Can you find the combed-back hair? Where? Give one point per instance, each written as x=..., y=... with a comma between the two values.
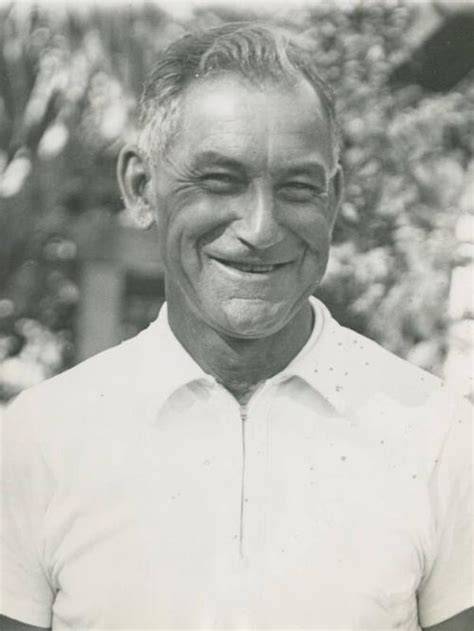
x=257, y=52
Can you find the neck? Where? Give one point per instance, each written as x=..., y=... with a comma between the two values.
x=240, y=364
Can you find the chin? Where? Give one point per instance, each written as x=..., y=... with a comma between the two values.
x=253, y=318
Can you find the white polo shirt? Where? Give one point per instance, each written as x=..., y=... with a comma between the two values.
x=139, y=495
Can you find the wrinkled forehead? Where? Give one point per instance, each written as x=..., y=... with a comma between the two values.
x=279, y=121
x=223, y=83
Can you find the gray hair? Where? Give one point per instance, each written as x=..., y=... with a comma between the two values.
x=257, y=52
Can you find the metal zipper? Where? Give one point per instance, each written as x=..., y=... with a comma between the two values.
x=243, y=418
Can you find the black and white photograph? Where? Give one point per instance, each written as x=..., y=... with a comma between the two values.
x=236, y=315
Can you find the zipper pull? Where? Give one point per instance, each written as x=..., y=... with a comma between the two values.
x=243, y=413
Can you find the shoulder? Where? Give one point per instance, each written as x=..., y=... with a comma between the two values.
x=106, y=371
x=388, y=372
x=369, y=370
x=92, y=393
x=413, y=408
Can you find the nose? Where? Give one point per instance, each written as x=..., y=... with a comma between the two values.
x=257, y=226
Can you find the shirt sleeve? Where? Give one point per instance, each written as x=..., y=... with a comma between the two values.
x=447, y=589
x=26, y=594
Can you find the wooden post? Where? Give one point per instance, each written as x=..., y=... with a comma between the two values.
x=99, y=318
x=108, y=252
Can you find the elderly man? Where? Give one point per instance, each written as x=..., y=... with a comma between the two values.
x=245, y=462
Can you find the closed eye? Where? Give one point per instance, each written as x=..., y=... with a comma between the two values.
x=298, y=190
x=223, y=183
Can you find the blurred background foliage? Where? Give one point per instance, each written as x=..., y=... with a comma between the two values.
x=69, y=83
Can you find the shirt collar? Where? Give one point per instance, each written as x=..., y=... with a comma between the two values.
x=168, y=366
x=320, y=362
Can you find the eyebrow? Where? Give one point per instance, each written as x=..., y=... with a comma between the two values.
x=217, y=159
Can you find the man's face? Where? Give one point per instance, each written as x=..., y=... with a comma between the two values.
x=245, y=205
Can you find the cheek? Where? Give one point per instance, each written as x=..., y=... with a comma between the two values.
x=194, y=223
x=312, y=228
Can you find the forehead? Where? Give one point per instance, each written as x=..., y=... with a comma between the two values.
x=268, y=125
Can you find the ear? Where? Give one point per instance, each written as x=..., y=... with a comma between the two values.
x=134, y=179
x=336, y=190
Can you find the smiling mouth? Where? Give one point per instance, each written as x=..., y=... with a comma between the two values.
x=251, y=268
